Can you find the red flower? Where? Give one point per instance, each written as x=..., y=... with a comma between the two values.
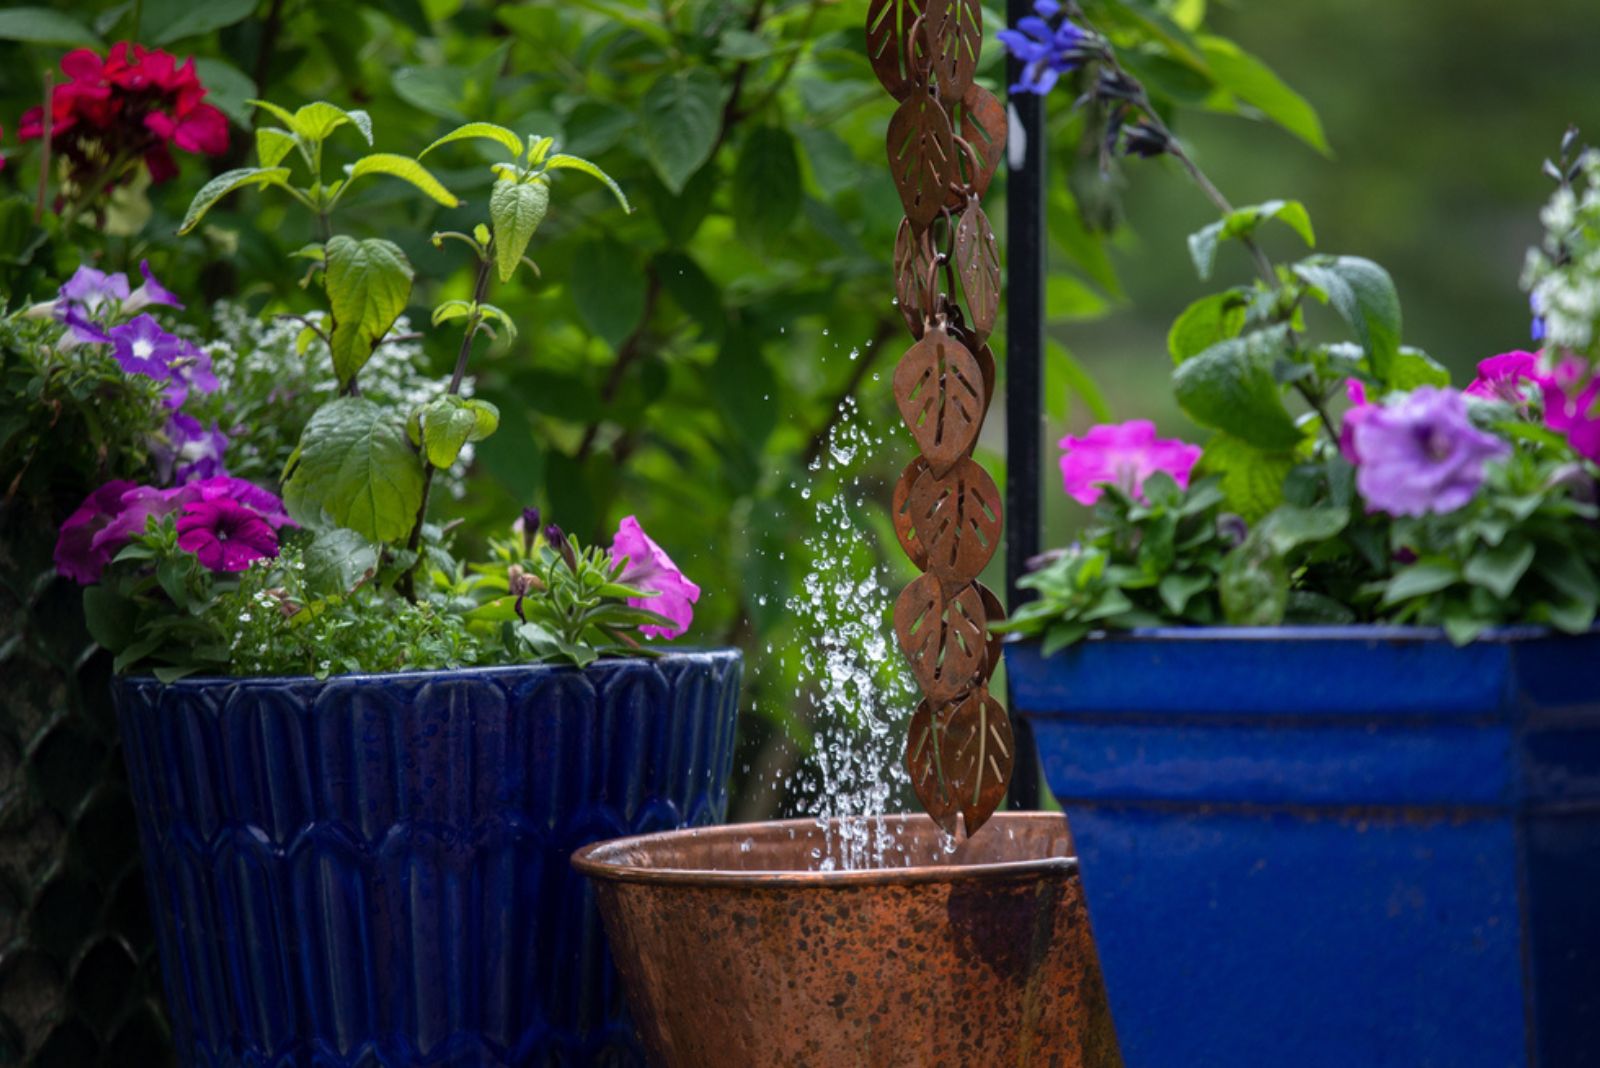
x=135, y=102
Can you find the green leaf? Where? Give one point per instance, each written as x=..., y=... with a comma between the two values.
x=355, y=467
x=1419, y=580
x=228, y=88
x=485, y=419
x=1243, y=222
x=1254, y=83
x=1176, y=589
x=1499, y=569
x=337, y=559
x=1065, y=378
x=692, y=290
x=272, y=144
x=766, y=184
x=609, y=290
x=1231, y=387
x=42, y=25
x=368, y=284
x=225, y=183
x=317, y=120
x=1207, y=321
x=499, y=315
x=446, y=425
x=682, y=114
x=1364, y=296
x=482, y=131
x=1413, y=368
x=404, y=168
x=1253, y=586
x=563, y=162
x=166, y=21
x=435, y=90
x=1290, y=526
x=112, y=619
x=743, y=46
x=516, y=209
x=1252, y=478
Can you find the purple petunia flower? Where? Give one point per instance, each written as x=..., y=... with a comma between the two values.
x=1046, y=51
x=1420, y=453
x=190, y=450
x=85, y=299
x=81, y=554
x=151, y=292
x=225, y=535
x=143, y=348
x=1123, y=455
x=1502, y=377
x=650, y=568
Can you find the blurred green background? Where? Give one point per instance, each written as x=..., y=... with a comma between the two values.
x=687, y=363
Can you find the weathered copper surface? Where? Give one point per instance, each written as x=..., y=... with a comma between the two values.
x=736, y=952
x=947, y=510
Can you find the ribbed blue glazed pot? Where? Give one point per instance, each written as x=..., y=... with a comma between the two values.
x=1334, y=847
x=373, y=870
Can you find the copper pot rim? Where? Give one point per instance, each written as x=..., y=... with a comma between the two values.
x=592, y=861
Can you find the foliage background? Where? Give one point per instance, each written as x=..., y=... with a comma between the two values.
x=685, y=363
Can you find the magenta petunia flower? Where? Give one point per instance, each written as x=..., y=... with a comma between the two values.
x=81, y=554
x=1502, y=377
x=1360, y=408
x=264, y=503
x=650, y=568
x=1122, y=455
x=225, y=535
x=1571, y=399
x=1420, y=453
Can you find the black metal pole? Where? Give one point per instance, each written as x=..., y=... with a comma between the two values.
x=1025, y=275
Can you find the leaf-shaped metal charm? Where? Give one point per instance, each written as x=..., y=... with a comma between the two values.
x=924, y=750
x=978, y=262
x=904, y=529
x=939, y=387
x=955, y=28
x=986, y=365
x=975, y=748
x=921, y=156
x=983, y=126
x=944, y=638
x=898, y=59
x=914, y=257
x=957, y=518
x=993, y=612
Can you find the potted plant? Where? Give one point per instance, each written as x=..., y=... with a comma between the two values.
x=359, y=759
x=1317, y=696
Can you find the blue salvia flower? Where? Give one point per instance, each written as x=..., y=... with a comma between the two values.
x=1047, y=51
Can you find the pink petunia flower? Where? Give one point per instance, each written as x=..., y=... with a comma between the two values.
x=1122, y=455
x=1502, y=377
x=1571, y=398
x=1360, y=408
x=225, y=535
x=650, y=568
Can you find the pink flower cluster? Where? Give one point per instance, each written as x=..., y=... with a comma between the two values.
x=1122, y=455
x=227, y=523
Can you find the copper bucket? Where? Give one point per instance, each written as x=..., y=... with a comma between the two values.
x=736, y=953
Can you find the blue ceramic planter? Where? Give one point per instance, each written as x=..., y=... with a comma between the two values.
x=1334, y=847
x=374, y=870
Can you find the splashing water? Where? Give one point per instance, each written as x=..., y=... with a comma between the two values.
x=851, y=669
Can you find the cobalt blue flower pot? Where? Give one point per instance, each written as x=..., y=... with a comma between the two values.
x=373, y=870
x=1334, y=847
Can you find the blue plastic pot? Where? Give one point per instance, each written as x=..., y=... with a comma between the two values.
x=1334, y=847
x=373, y=870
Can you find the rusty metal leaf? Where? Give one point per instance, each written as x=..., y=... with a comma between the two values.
x=921, y=156
x=924, y=745
x=903, y=527
x=957, y=517
x=983, y=126
x=944, y=637
x=976, y=749
x=914, y=256
x=993, y=612
x=986, y=365
x=898, y=59
x=955, y=28
x=978, y=262
x=938, y=385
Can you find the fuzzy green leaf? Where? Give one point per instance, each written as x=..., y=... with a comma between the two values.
x=1255, y=84
x=406, y=169
x=516, y=209
x=1252, y=478
x=482, y=131
x=1243, y=222
x=562, y=162
x=766, y=184
x=681, y=115
x=317, y=121
x=272, y=144
x=1206, y=322
x=1364, y=296
x=355, y=467
x=1231, y=387
x=368, y=284
x=225, y=183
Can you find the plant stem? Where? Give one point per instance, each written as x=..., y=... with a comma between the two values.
x=408, y=581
